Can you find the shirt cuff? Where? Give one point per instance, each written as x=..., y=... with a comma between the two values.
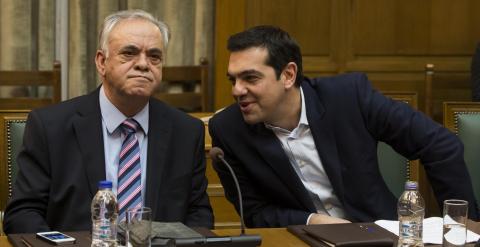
x=308, y=219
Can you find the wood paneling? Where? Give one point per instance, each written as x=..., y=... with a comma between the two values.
x=309, y=23
x=229, y=19
x=410, y=27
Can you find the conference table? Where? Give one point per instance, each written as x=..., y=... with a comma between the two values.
x=271, y=237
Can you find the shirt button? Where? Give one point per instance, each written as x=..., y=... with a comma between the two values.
x=328, y=206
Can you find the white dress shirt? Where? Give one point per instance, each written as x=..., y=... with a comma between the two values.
x=113, y=137
x=300, y=148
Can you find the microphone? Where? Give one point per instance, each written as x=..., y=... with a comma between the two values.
x=217, y=155
x=219, y=241
x=243, y=240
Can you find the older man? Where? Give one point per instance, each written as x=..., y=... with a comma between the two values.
x=69, y=147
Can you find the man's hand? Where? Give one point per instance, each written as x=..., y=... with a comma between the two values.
x=325, y=219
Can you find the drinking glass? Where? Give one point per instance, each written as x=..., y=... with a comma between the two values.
x=455, y=213
x=139, y=227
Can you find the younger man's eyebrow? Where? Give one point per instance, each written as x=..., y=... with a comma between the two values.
x=249, y=72
x=245, y=72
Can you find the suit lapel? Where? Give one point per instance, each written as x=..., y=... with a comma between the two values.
x=88, y=131
x=323, y=135
x=159, y=136
x=272, y=152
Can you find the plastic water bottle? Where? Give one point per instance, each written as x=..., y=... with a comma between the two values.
x=411, y=210
x=104, y=216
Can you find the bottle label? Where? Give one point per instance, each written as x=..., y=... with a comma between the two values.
x=104, y=231
x=410, y=229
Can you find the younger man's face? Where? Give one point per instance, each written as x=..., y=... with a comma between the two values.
x=255, y=86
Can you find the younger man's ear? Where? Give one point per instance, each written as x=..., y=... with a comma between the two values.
x=290, y=74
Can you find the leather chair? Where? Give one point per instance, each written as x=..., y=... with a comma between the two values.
x=441, y=86
x=463, y=118
x=395, y=168
x=12, y=125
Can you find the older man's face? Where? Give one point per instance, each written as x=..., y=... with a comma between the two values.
x=133, y=67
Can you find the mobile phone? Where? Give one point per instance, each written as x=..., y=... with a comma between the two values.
x=55, y=237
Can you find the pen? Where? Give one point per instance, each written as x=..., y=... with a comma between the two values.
x=25, y=242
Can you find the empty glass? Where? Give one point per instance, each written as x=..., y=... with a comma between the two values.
x=455, y=214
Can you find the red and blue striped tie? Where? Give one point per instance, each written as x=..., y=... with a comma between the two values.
x=129, y=192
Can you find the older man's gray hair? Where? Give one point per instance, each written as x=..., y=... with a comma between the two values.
x=112, y=20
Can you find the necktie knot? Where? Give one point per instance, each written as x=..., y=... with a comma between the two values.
x=129, y=126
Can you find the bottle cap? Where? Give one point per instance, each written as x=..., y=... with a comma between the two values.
x=105, y=184
x=411, y=185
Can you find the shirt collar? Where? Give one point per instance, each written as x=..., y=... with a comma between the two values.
x=112, y=117
x=303, y=117
x=303, y=113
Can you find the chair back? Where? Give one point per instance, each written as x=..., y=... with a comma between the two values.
x=463, y=118
x=30, y=81
x=442, y=86
x=193, y=83
x=395, y=168
x=12, y=125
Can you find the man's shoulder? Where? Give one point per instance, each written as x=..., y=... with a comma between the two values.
x=229, y=122
x=337, y=87
x=68, y=107
x=230, y=114
x=341, y=80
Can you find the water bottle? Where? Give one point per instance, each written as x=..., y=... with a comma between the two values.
x=104, y=216
x=411, y=210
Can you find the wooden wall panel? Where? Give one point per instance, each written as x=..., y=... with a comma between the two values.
x=410, y=27
x=373, y=41
x=229, y=19
x=473, y=22
x=450, y=27
x=308, y=21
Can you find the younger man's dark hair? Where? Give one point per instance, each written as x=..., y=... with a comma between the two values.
x=281, y=48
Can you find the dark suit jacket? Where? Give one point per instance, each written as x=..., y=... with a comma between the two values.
x=63, y=159
x=347, y=118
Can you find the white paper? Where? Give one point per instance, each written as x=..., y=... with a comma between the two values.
x=432, y=230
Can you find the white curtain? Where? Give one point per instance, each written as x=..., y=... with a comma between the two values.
x=27, y=35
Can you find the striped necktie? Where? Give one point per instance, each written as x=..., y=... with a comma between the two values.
x=129, y=192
